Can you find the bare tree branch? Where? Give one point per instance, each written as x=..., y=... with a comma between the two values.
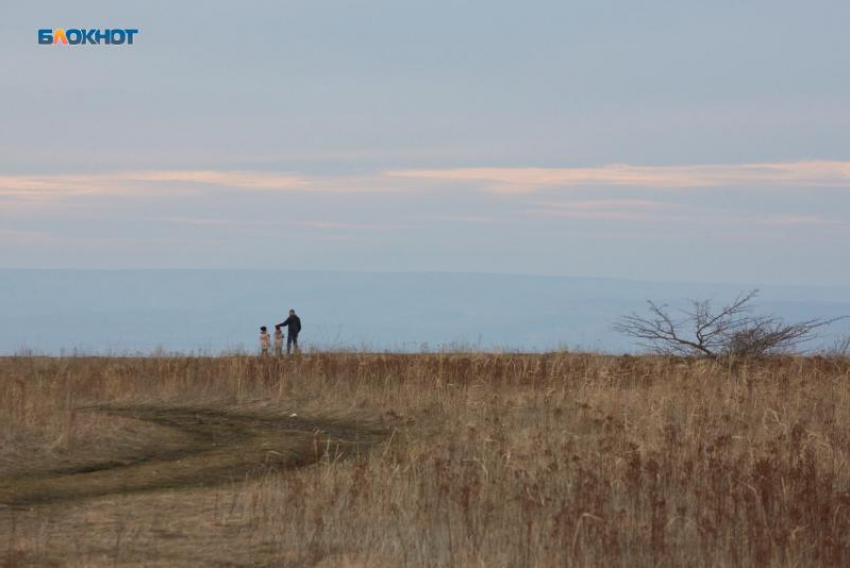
x=730, y=330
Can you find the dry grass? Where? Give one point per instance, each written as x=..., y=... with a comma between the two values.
x=489, y=460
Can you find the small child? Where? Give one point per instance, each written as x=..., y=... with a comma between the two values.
x=264, y=341
x=278, y=341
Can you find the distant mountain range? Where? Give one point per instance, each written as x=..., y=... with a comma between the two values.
x=210, y=311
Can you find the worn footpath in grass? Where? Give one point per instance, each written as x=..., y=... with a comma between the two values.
x=216, y=446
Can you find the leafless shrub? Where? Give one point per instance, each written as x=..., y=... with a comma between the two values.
x=840, y=347
x=705, y=331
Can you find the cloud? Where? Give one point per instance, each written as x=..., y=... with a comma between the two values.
x=658, y=211
x=526, y=180
x=334, y=238
x=605, y=210
x=198, y=221
x=597, y=204
x=796, y=220
x=122, y=183
x=334, y=226
x=41, y=188
x=236, y=179
x=594, y=215
x=16, y=235
x=466, y=219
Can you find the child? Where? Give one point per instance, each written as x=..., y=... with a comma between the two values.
x=264, y=341
x=278, y=341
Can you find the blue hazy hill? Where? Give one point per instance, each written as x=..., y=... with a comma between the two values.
x=127, y=311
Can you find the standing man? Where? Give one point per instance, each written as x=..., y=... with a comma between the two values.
x=293, y=323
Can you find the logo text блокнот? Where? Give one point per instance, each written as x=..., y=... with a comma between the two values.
x=82, y=36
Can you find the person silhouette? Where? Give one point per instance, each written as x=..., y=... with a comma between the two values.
x=278, y=342
x=264, y=341
x=293, y=325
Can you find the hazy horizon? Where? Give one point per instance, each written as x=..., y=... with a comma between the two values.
x=122, y=312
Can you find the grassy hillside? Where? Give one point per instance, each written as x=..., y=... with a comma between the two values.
x=352, y=459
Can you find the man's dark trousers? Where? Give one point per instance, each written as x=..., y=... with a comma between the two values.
x=291, y=341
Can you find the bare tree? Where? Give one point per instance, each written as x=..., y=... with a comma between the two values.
x=704, y=331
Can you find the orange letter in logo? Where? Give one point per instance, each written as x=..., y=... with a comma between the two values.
x=59, y=34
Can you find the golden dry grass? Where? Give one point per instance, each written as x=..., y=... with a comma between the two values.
x=485, y=460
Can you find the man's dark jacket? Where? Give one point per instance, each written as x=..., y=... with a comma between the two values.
x=293, y=324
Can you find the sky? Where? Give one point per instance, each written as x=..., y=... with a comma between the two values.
x=655, y=140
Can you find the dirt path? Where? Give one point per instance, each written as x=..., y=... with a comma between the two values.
x=220, y=447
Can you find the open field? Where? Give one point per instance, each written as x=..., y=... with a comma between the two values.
x=465, y=459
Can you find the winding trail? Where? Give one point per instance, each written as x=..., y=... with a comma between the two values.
x=220, y=447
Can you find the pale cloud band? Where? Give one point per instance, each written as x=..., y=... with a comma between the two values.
x=45, y=187
x=236, y=179
x=801, y=174
x=523, y=180
x=186, y=182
